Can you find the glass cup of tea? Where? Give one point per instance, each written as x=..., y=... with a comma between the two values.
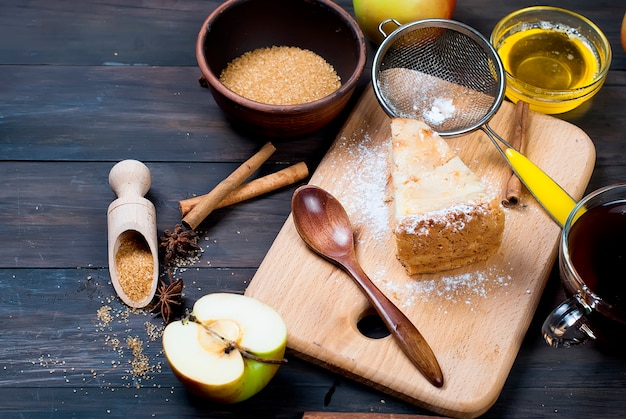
x=592, y=264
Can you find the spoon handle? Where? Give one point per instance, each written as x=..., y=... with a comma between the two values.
x=404, y=331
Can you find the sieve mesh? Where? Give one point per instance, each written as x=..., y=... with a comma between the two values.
x=441, y=72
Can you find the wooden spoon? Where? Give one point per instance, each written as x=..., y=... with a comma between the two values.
x=323, y=224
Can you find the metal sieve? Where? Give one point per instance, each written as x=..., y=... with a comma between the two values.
x=448, y=75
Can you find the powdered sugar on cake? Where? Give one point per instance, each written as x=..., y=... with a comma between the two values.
x=455, y=217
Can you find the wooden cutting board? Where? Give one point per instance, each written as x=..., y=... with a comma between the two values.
x=474, y=318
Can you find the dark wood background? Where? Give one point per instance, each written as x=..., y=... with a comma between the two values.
x=84, y=84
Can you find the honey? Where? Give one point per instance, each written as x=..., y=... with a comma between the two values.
x=555, y=59
x=550, y=58
x=554, y=69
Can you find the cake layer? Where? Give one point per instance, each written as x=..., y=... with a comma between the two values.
x=445, y=217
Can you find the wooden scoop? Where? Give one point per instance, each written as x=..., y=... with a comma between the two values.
x=132, y=218
x=323, y=224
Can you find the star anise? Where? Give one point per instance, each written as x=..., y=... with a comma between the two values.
x=169, y=297
x=178, y=243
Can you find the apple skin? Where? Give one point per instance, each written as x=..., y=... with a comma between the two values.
x=369, y=13
x=248, y=376
x=623, y=33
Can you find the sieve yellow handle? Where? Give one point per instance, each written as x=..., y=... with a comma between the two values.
x=554, y=199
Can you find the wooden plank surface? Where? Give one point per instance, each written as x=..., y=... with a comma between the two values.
x=88, y=83
x=474, y=317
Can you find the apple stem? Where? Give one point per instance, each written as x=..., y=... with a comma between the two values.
x=249, y=355
x=231, y=345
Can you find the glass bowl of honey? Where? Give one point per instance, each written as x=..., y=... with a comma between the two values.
x=554, y=59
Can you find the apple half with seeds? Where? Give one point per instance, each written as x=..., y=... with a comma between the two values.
x=228, y=348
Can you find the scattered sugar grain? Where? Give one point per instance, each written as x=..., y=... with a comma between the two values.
x=110, y=316
x=104, y=315
x=154, y=331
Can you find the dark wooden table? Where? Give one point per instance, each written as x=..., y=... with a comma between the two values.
x=85, y=84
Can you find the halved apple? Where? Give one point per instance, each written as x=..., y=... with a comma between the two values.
x=229, y=347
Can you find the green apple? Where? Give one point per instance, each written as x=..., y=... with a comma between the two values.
x=370, y=13
x=228, y=348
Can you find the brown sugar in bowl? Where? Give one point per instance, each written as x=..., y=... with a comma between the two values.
x=321, y=26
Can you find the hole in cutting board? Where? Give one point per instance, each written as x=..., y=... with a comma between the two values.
x=371, y=325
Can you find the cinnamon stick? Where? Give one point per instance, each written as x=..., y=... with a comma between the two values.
x=210, y=201
x=254, y=188
x=513, y=188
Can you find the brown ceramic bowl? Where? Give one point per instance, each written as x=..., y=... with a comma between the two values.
x=239, y=26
